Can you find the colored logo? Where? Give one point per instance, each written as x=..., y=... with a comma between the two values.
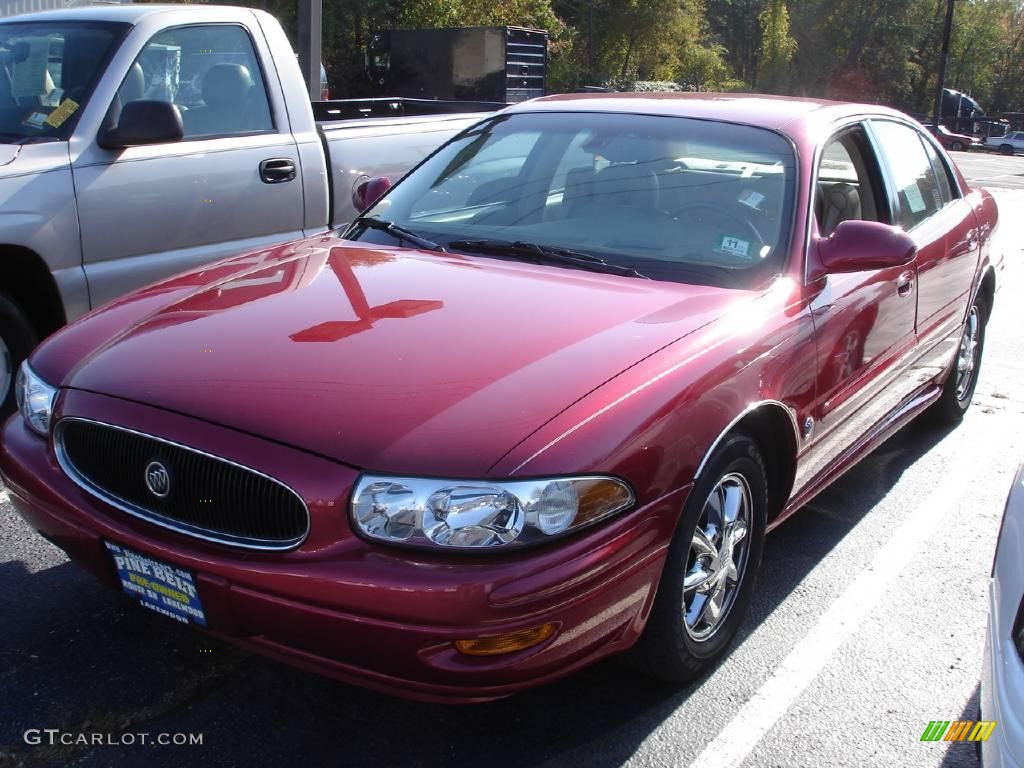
x=158, y=479
x=958, y=730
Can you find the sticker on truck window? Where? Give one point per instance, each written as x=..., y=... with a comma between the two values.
x=60, y=115
x=35, y=120
x=733, y=246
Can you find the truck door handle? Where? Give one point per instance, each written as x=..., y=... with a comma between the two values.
x=277, y=170
x=905, y=283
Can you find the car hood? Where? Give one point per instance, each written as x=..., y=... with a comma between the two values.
x=7, y=153
x=392, y=359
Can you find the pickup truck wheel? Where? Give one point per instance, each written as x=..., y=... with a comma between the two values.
x=957, y=146
x=16, y=340
x=711, y=567
x=958, y=389
x=1005, y=149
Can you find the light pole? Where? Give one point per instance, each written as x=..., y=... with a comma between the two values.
x=943, y=60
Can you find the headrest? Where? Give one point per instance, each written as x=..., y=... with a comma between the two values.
x=627, y=184
x=226, y=85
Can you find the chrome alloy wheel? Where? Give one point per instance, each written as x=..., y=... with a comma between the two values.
x=967, y=357
x=6, y=370
x=718, y=557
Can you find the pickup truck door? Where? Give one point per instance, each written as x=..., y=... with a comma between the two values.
x=931, y=207
x=230, y=186
x=863, y=321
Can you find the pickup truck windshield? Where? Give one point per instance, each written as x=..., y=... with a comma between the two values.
x=668, y=198
x=47, y=72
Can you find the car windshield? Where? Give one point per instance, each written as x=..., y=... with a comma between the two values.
x=669, y=198
x=47, y=72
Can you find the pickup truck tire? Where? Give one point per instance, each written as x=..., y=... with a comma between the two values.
x=711, y=567
x=17, y=338
x=1005, y=149
x=958, y=389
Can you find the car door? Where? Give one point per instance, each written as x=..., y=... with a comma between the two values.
x=930, y=206
x=864, y=320
x=150, y=211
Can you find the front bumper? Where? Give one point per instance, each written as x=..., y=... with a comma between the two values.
x=1002, y=693
x=340, y=606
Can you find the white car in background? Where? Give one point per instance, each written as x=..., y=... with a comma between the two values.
x=1002, y=681
x=1006, y=145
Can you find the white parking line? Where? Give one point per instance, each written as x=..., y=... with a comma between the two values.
x=810, y=655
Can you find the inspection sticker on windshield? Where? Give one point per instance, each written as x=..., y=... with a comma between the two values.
x=158, y=586
x=58, y=117
x=733, y=246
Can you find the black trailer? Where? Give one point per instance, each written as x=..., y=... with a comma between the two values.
x=492, y=64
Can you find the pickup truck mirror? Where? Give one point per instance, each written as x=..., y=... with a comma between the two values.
x=369, y=191
x=144, y=122
x=858, y=245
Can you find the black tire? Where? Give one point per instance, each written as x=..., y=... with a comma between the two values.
x=957, y=146
x=1005, y=149
x=668, y=650
x=17, y=338
x=956, y=393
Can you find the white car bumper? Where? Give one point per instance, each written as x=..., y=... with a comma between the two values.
x=1002, y=680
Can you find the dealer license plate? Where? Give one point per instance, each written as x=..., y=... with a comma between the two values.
x=163, y=588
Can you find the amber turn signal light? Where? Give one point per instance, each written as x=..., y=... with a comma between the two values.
x=510, y=643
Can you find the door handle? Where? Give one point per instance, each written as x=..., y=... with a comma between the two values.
x=277, y=170
x=905, y=283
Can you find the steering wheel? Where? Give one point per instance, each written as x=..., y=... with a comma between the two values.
x=721, y=223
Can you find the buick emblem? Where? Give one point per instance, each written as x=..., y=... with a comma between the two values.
x=158, y=479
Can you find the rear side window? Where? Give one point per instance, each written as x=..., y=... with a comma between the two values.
x=210, y=72
x=919, y=192
x=942, y=174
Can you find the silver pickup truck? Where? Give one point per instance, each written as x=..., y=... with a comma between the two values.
x=139, y=141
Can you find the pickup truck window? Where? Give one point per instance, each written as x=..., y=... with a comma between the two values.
x=211, y=73
x=672, y=198
x=47, y=73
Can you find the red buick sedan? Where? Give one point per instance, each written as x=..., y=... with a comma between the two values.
x=539, y=405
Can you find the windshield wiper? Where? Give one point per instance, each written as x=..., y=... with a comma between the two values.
x=546, y=253
x=401, y=233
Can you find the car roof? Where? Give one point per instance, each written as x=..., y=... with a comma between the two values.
x=772, y=112
x=122, y=13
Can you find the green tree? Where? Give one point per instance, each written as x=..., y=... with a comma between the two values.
x=777, y=46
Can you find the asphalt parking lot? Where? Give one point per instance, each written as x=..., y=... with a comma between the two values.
x=868, y=622
x=989, y=169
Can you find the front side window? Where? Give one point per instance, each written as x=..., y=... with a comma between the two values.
x=671, y=198
x=47, y=74
x=848, y=186
x=210, y=72
x=919, y=192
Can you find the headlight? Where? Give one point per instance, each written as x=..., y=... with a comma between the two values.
x=460, y=514
x=35, y=399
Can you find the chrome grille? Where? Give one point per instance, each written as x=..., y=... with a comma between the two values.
x=208, y=497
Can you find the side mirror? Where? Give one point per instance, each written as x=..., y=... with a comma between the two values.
x=858, y=245
x=144, y=122
x=369, y=191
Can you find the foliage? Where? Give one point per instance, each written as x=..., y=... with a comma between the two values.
x=883, y=51
x=777, y=46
